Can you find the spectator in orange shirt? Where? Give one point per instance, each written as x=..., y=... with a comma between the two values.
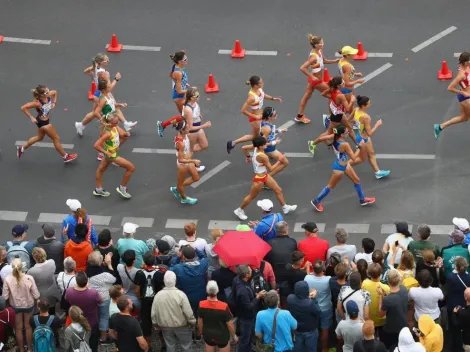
x=313, y=247
x=79, y=250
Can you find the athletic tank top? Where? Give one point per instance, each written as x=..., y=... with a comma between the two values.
x=465, y=83
x=340, y=156
x=319, y=61
x=342, y=63
x=110, y=105
x=357, y=124
x=45, y=108
x=96, y=73
x=113, y=143
x=272, y=134
x=196, y=113
x=259, y=100
x=336, y=109
x=186, y=144
x=184, y=79
x=257, y=168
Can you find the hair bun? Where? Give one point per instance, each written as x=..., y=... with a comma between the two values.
x=247, y=83
x=358, y=97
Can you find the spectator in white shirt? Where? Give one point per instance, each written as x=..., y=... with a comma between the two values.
x=368, y=246
x=345, y=250
x=354, y=293
x=403, y=236
x=6, y=268
x=66, y=278
x=349, y=331
x=190, y=232
x=425, y=297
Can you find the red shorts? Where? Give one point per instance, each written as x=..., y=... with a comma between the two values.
x=314, y=83
x=250, y=120
x=261, y=179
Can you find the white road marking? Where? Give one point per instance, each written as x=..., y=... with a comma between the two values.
x=354, y=228
x=7, y=215
x=178, y=223
x=388, y=229
x=287, y=124
x=406, y=156
x=433, y=39
x=57, y=218
x=298, y=228
x=44, y=145
x=372, y=55
x=375, y=73
x=250, y=52
x=139, y=48
x=26, y=41
x=223, y=224
x=154, y=151
x=100, y=220
x=211, y=173
x=298, y=155
x=441, y=229
x=457, y=54
x=142, y=222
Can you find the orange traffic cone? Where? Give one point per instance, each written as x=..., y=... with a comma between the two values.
x=114, y=47
x=91, y=93
x=1, y=38
x=444, y=74
x=211, y=86
x=238, y=52
x=362, y=54
x=326, y=76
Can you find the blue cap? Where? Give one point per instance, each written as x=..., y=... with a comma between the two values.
x=352, y=308
x=19, y=230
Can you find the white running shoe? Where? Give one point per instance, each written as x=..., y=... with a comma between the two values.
x=240, y=213
x=128, y=125
x=123, y=193
x=201, y=168
x=286, y=209
x=80, y=128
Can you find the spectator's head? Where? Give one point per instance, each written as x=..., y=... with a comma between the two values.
x=128, y=257
x=216, y=234
x=48, y=231
x=341, y=236
x=43, y=305
x=407, y=261
x=19, y=232
x=39, y=255
x=340, y=271
x=394, y=278
x=188, y=253
x=424, y=232
x=355, y=281
x=190, y=229
x=129, y=229
x=457, y=236
x=466, y=295
x=3, y=254
x=407, y=343
x=244, y=272
x=104, y=238
x=76, y=315
x=378, y=257
x=368, y=245
x=95, y=258
x=3, y=304
x=374, y=271
x=115, y=292
x=266, y=205
x=362, y=268
x=403, y=228
x=82, y=279
x=424, y=278
x=297, y=258
x=76, y=209
x=149, y=259
x=461, y=224
x=169, y=279
x=352, y=309
x=428, y=256
x=426, y=324
x=69, y=265
x=162, y=247
x=170, y=240
x=81, y=231
x=368, y=329
x=311, y=229
x=318, y=267
x=271, y=299
x=282, y=229
x=461, y=265
x=124, y=304
x=212, y=289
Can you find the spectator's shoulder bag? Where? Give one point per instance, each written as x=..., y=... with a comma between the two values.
x=275, y=217
x=344, y=300
x=268, y=347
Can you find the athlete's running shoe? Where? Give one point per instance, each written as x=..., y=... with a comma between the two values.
x=19, y=151
x=201, y=168
x=175, y=192
x=101, y=193
x=437, y=130
x=317, y=205
x=286, y=209
x=189, y=200
x=311, y=147
x=129, y=125
x=230, y=146
x=123, y=192
x=160, y=128
x=302, y=119
x=367, y=200
x=240, y=213
x=70, y=157
x=100, y=156
x=80, y=128
x=381, y=174
x=326, y=121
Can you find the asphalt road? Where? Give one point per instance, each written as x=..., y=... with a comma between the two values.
x=407, y=96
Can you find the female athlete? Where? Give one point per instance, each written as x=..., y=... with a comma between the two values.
x=348, y=72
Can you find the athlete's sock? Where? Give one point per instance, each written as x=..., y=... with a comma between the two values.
x=65, y=156
x=358, y=188
x=299, y=116
x=440, y=128
x=171, y=121
x=324, y=192
x=122, y=188
x=99, y=189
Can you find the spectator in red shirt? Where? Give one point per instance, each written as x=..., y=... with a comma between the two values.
x=313, y=247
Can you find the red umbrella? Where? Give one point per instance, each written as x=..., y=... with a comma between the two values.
x=240, y=247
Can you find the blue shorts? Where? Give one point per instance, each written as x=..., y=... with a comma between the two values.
x=462, y=97
x=195, y=124
x=326, y=319
x=103, y=310
x=338, y=167
x=270, y=149
x=346, y=90
x=97, y=93
x=177, y=96
x=359, y=138
x=23, y=310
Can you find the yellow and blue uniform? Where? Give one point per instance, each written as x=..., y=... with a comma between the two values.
x=342, y=63
x=359, y=127
x=271, y=136
x=184, y=83
x=113, y=143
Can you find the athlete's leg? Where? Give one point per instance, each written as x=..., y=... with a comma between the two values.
x=128, y=166
x=37, y=138
x=52, y=134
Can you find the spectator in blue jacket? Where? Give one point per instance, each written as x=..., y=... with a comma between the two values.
x=191, y=275
x=78, y=216
x=266, y=227
x=305, y=309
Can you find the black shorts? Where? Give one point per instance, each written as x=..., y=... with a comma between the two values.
x=219, y=344
x=336, y=118
x=146, y=317
x=41, y=123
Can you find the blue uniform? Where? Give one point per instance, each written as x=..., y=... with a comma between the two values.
x=184, y=82
x=340, y=157
x=271, y=136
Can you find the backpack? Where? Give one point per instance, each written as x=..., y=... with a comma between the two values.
x=258, y=283
x=82, y=345
x=1, y=281
x=43, y=336
x=16, y=250
x=149, y=290
x=232, y=299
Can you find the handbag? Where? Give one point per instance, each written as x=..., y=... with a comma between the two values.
x=268, y=347
x=64, y=304
x=9, y=340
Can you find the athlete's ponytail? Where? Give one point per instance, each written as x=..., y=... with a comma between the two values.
x=314, y=40
x=253, y=81
x=335, y=82
x=98, y=59
x=339, y=131
x=180, y=126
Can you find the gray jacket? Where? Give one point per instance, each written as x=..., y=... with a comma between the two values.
x=72, y=342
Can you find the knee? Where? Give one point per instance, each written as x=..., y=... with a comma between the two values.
x=55, y=139
x=284, y=161
x=277, y=190
x=196, y=178
x=371, y=155
x=131, y=168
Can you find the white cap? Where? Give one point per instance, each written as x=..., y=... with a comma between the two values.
x=265, y=204
x=461, y=223
x=129, y=227
x=73, y=204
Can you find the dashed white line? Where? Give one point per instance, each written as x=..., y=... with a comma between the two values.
x=287, y=124
x=57, y=218
x=139, y=48
x=375, y=73
x=441, y=229
x=433, y=39
x=178, y=223
x=44, y=145
x=250, y=52
x=354, y=228
x=388, y=229
x=223, y=224
x=7, y=215
x=153, y=151
x=298, y=228
x=372, y=55
x=406, y=156
x=26, y=41
x=211, y=173
x=142, y=222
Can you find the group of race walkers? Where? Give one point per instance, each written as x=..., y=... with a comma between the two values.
x=347, y=116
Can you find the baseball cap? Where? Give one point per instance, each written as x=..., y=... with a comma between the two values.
x=265, y=204
x=48, y=230
x=19, y=230
x=348, y=50
x=310, y=227
x=352, y=308
x=461, y=223
x=457, y=236
x=73, y=204
x=129, y=227
x=163, y=246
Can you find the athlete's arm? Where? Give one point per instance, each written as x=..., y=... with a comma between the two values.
x=347, y=82
x=181, y=157
x=343, y=101
x=99, y=107
x=89, y=71
x=451, y=88
x=370, y=131
x=178, y=77
x=250, y=100
x=53, y=95
x=100, y=142
x=31, y=105
x=116, y=79
x=327, y=137
x=351, y=116
x=123, y=135
x=263, y=159
x=326, y=94
x=346, y=148
x=270, y=97
x=312, y=61
x=333, y=61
